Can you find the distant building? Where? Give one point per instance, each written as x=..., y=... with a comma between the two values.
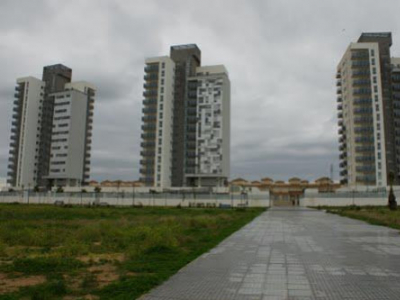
x=285, y=193
x=186, y=121
x=51, y=130
x=368, y=86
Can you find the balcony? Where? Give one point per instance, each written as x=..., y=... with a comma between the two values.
x=369, y=179
x=191, y=154
x=149, y=118
x=343, y=155
x=17, y=95
x=148, y=144
x=361, y=82
x=147, y=153
x=338, y=75
x=11, y=173
x=340, y=115
x=360, y=64
x=150, y=101
x=151, y=77
x=191, y=119
x=370, y=159
x=362, y=101
x=364, y=110
x=148, y=110
x=364, y=73
x=12, y=152
x=148, y=136
x=366, y=169
x=151, y=68
x=343, y=173
x=365, y=139
x=339, y=99
x=191, y=112
x=13, y=145
x=338, y=83
x=150, y=93
x=343, y=164
x=364, y=129
x=363, y=120
x=339, y=91
x=360, y=55
x=147, y=180
x=149, y=127
x=192, y=95
x=146, y=171
x=147, y=162
x=340, y=107
x=365, y=149
x=151, y=85
x=362, y=91
x=192, y=103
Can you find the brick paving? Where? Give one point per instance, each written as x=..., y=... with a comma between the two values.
x=294, y=253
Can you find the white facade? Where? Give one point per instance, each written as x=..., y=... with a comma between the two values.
x=158, y=115
x=29, y=120
x=213, y=126
x=355, y=125
x=70, y=138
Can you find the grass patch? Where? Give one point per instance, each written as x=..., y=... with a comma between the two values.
x=376, y=215
x=112, y=253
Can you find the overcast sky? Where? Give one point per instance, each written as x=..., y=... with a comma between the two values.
x=281, y=56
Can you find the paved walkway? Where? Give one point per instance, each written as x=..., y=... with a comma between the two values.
x=294, y=253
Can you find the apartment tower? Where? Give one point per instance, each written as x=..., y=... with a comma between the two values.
x=366, y=98
x=177, y=144
x=52, y=124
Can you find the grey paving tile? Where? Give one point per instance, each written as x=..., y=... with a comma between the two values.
x=294, y=254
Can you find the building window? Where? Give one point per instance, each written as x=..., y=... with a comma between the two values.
x=372, y=52
x=163, y=65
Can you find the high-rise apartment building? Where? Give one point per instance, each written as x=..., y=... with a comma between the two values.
x=51, y=130
x=158, y=104
x=366, y=95
x=186, y=121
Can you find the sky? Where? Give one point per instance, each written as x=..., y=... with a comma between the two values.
x=281, y=56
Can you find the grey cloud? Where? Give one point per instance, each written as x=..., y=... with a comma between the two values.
x=281, y=56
